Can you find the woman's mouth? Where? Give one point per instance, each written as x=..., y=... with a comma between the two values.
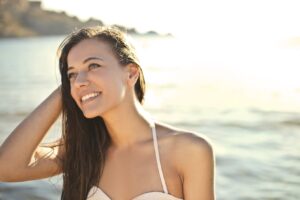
x=89, y=97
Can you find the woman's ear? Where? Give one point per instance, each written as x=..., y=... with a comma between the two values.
x=133, y=74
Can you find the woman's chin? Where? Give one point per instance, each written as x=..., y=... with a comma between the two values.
x=90, y=115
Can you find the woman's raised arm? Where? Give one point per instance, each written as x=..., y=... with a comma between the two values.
x=21, y=157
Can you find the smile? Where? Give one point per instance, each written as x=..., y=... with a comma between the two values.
x=89, y=97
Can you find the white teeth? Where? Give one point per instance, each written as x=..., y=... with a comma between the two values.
x=88, y=96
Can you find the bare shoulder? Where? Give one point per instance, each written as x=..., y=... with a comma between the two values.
x=191, y=155
x=186, y=141
x=192, y=149
x=188, y=147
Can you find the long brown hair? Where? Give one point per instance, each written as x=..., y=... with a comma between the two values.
x=87, y=140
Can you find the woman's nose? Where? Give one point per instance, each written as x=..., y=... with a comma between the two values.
x=81, y=79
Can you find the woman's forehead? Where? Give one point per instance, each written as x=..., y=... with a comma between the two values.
x=89, y=48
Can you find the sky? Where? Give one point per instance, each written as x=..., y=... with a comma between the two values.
x=230, y=18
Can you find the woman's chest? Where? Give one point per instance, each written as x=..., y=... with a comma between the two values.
x=131, y=173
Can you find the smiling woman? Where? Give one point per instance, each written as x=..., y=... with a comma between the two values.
x=110, y=146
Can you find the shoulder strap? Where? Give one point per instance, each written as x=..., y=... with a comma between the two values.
x=163, y=182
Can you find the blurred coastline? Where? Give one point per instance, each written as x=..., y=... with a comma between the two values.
x=23, y=18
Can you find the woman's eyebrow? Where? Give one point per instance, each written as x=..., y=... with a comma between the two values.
x=86, y=60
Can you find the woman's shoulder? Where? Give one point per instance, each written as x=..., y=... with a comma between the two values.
x=184, y=140
x=187, y=147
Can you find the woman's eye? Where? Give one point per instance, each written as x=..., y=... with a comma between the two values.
x=94, y=65
x=71, y=76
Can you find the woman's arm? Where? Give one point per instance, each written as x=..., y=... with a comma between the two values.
x=21, y=158
x=196, y=167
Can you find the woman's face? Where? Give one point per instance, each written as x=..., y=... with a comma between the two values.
x=97, y=79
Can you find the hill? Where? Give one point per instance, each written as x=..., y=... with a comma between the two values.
x=22, y=18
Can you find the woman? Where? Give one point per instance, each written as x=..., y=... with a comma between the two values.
x=110, y=148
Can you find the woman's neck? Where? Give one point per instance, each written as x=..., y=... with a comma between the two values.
x=128, y=126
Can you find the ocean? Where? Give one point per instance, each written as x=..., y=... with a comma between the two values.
x=249, y=108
